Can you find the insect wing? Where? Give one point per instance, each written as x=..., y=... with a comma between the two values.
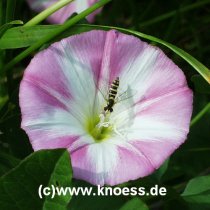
x=103, y=88
x=128, y=94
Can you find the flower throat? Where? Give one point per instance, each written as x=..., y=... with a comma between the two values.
x=100, y=128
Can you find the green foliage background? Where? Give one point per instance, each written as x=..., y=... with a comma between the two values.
x=185, y=24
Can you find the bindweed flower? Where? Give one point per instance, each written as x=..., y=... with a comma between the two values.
x=67, y=88
x=64, y=13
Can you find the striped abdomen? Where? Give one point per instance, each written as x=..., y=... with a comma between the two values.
x=112, y=95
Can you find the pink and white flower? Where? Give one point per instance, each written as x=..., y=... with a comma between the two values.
x=62, y=104
x=64, y=13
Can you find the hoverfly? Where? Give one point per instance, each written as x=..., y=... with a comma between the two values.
x=114, y=95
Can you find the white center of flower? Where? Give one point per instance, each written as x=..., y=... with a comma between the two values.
x=103, y=121
x=108, y=123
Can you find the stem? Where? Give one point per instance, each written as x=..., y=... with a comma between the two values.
x=1, y=12
x=50, y=10
x=58, y=31
x=10, y=11
x=174, y=12
x=200, y=114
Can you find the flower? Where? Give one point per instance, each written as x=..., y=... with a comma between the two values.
x=64, y=13
x=62, y=105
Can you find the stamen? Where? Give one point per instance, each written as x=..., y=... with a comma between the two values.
x=102, y=122
x=107, y=124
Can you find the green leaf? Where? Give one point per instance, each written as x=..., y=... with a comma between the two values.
x=135, y=204
x=19, y=188
x=198, y=190
x=6, y=26
x=7, y=162
x=22, y=36
x=200, y=84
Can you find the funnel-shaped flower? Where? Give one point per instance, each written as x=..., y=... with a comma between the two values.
x=63, y=106
x=64, y=13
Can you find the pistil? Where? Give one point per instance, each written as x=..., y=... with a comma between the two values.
x=100, y=128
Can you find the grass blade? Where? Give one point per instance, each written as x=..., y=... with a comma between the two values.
x=43, y=15
x=58, y=31
x=197, y=65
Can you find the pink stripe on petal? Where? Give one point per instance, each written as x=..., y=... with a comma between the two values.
x=131, y=166
x=124, y=52
x=88, y=50
x=95, y=162
x=166, y=78
x=162, y=125
x=105, y=71
x=89, y=169
x=156, y=151
x=174, y=108
x=45, y=69
x=81, y=165
x=59, y=142
x=119, y=51
x=33, y=99
x=110, y=52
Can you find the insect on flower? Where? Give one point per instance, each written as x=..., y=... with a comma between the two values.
x=112, y=95
x=111, y=139
x=112, y=99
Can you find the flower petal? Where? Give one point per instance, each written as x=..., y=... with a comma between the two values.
x=92, y=163
x=106, y=163
x=60, y=93
x=56, y=98
x=163, y=122
x=64, y=13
